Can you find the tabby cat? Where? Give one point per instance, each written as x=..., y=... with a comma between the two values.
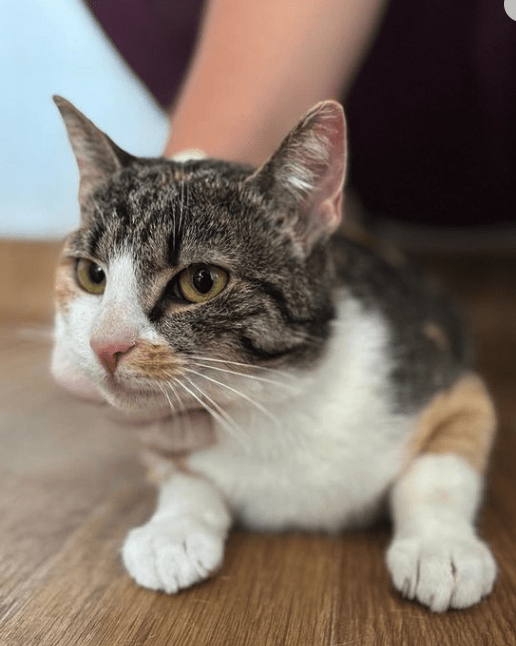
x=298, y=379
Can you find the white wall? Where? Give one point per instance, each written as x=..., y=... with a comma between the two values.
x=55, y=47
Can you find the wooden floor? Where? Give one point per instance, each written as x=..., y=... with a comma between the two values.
x=71, y=487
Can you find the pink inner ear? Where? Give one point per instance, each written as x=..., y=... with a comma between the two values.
x=311, y=165
x=330, y=212
x=324, y=204
x=308, y=171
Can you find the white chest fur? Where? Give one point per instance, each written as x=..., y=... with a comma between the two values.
x=334, y=448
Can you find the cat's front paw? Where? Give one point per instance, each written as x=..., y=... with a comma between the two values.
x=442, y=572
x=172, y=554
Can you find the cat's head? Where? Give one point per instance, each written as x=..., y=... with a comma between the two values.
x=182, y=273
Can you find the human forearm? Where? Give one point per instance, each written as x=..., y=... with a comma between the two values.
x=260, y=65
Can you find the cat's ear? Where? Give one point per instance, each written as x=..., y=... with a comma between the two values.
x=97, y=156
x=307, y=172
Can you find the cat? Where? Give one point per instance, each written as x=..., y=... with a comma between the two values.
x=303, y=380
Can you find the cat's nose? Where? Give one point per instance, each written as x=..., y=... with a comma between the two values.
x=110, y=351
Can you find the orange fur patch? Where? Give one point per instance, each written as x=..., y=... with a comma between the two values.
x=435, y=333
x=460, y=420
x=153, y=361
x=65, y=287
x=159, y=468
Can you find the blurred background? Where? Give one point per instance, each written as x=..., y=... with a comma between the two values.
x=431, y=111
x=55, y=47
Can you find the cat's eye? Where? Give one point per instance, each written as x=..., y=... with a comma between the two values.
x=199, y=283
x=90, y=276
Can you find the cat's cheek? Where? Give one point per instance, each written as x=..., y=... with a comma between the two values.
x=71, y=379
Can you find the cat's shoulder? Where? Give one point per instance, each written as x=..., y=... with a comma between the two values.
x=428, y=342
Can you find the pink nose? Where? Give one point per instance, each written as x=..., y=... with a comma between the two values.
x=109, y=352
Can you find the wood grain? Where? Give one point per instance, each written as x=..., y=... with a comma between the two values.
x=71, y=487
x=27, y=269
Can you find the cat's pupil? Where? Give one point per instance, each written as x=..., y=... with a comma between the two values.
x=95, y=273
x=202, y=280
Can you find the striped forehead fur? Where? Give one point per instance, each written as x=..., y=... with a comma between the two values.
x=277, y=306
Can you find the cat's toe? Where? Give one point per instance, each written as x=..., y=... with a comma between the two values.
x=172, y=554
x=442, y=572
x=403, y=564
x=475, y=574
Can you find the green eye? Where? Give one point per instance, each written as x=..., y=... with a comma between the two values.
x=90, y=276
x=199, y=283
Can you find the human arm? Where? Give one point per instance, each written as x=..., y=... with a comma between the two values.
x=260, y=65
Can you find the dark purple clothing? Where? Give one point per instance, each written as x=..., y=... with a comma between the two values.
x=156, y=38
x=432, y=114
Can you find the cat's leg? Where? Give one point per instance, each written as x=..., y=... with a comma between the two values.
x=436, y=556
x=183, y=542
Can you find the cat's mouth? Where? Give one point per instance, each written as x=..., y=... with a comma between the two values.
x=158, y=399
x=144, y=406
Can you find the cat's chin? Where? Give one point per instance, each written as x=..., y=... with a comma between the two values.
x=137, y=401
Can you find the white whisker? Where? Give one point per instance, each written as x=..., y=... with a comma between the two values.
x=265, y=380
x=174, y=222
x=275, y=371
x=183, y=415
x=257, y=405
x=181, y=206
x=220, y=415
x=163, y=390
